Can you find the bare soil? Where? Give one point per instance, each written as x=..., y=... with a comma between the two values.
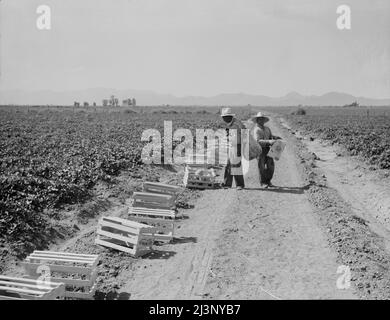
x=285, y=242
x=352, y=202
x=282, y=243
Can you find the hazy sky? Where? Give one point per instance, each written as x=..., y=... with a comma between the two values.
x=198, y=47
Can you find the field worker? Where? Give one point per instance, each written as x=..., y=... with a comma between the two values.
x=233, y=167
x=264, y=137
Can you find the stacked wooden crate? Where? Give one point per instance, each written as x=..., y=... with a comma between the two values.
x=154, y=200
x=198, y=177
x=125, y=235
x=205, y=171
x=77, y=271
x=156, y=207
x=161, y=188
x=12, y=288
x=202, y=176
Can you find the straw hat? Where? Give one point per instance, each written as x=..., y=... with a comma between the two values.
x=226, y=112
x=260, y=115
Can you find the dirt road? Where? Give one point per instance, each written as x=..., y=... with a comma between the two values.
x=249, y=244
x=327, y=211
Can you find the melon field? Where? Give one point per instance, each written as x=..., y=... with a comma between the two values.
x=53, y=157
x=362, y=131
x=63, y=168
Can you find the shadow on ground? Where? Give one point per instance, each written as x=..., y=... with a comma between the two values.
x=112, y=295
x=158, y=254
x=292, y=190
x=185, y=240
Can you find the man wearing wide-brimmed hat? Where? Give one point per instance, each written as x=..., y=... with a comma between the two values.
x=264, y=137
x=234, y=165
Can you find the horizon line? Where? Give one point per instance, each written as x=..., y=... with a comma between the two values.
x=196, y=96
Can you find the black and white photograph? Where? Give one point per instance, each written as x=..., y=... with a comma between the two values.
x=206, y=152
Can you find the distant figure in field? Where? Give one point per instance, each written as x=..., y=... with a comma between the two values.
x=264, y=137
x=234, y=166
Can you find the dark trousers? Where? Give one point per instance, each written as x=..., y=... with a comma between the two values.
x=228, y=178
x=266, y=168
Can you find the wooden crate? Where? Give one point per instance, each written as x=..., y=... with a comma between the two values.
x=161, y=188
x=193, y=180
x=29, y=289
x=162, y=220
x=201, y=185
x=168, y=214
x=77, y=271
x=193, y=169
x=125, y=235
x=153, y=200
x=191, y=173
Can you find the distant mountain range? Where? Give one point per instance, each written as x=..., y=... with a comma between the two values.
x=151, y=98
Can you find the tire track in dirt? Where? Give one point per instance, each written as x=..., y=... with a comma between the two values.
x=368, y=196
x=273, y=247
x=351, y=203
x=180, y=270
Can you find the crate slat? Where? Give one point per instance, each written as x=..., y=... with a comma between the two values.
x=29, y=289
x=12, y=288
x=70, y=254
x=132, y=240
x=161, y=188
x=63, y=265
x=153, y=196
x=138, y=237
x=152, y=213
x=153, y=200
x=133, y=226
x=61, y=258
x=48, y=258
x=58, y=268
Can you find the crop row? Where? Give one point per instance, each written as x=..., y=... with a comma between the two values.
x=360, y=134
x=49, y=159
